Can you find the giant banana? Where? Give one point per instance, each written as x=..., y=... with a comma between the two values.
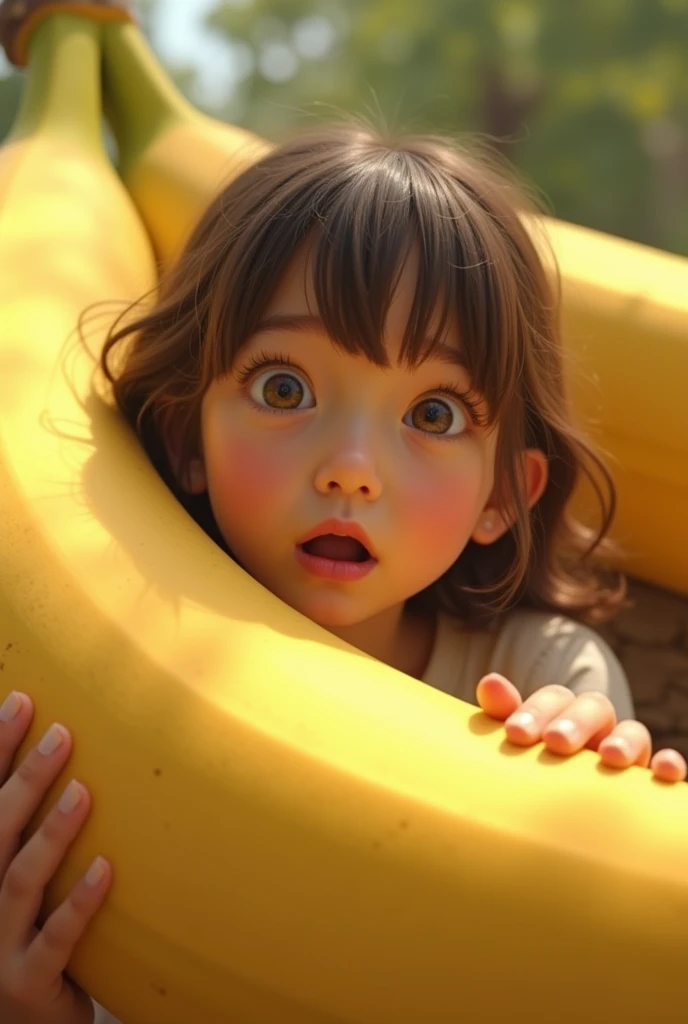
x=625, y=306
x=300, y=835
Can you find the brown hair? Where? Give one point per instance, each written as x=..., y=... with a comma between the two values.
x=365, y=202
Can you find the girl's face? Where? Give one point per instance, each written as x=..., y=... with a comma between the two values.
x=301, y=433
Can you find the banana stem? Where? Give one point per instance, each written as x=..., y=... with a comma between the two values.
x=140, y=100
x=61, y=94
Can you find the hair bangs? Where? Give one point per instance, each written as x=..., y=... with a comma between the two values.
x=375, y=210
x=363, y=244
x=405, y=209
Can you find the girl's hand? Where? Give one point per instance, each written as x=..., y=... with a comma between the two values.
x=33, y=988
x=566, y=723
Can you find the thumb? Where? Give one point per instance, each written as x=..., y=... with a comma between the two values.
x=497, y=696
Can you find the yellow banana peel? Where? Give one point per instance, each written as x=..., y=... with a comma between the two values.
x=299, y=834
x=625, y=330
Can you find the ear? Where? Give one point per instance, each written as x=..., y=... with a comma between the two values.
x=492, y=523
x=191, y=478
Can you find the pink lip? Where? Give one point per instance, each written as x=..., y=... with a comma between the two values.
x=341, y=528
x=328, y=568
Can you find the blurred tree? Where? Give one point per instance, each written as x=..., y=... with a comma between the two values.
x=589, y=99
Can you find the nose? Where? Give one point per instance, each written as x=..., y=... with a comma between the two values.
x=349, y=470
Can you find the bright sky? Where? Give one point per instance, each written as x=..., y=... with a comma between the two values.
x=181, y=39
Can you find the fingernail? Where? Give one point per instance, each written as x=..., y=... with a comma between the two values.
x=522, y=720
x=11, y=707
x=565, y=728
x=95, y=874
x=52, y=740
x=620, y=747
x=71, y=798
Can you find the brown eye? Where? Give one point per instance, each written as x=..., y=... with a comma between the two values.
x=438, y=416
x=280, y=391
x=283, y=391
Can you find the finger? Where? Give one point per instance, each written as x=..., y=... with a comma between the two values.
x=21, y=892
x=587, y=720
x=526, y=726
x=669, y=766
x=15, y=718
x=52, y=948
x=627, y=744
x=24, y=791
x=497, y=696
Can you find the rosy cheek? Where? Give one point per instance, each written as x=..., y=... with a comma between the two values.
x=439, y=514
x=246, y=472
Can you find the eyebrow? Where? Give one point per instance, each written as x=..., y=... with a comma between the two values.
x=303, y=323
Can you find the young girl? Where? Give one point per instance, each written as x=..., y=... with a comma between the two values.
x=353, y=380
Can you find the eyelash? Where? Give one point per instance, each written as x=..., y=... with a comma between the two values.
x=260, y=361
x=263, y=360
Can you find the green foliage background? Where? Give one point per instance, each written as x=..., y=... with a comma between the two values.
x=589, y=98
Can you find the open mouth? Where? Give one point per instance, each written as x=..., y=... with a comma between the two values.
x=330, y=551
x=336, y=548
